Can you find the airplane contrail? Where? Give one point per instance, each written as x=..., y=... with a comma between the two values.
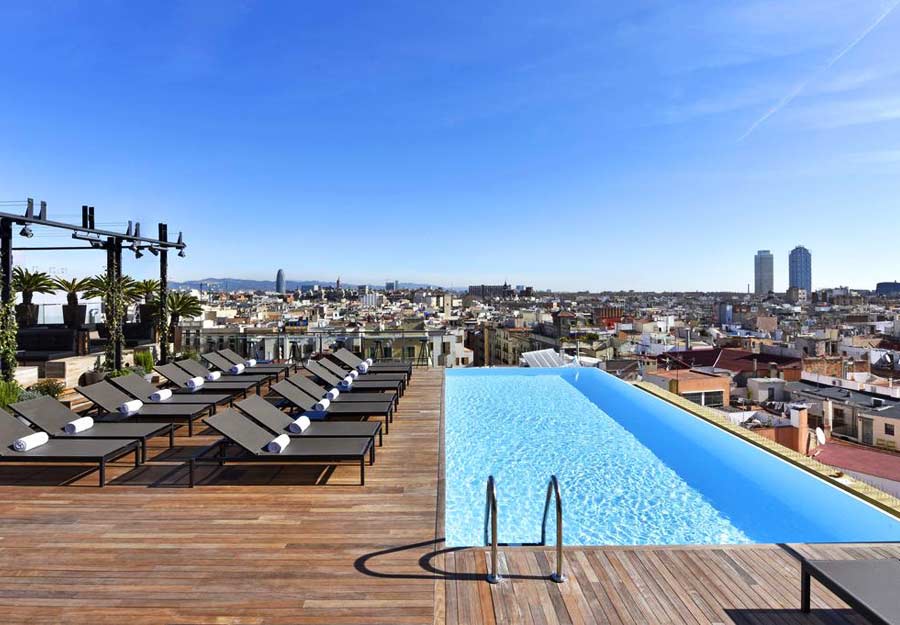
x=802, y=85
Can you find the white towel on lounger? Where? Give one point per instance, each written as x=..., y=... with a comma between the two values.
x=212, y=376
x=131, y=407
x=369, y=361
x=278, y=444
x=236, y=369
x=195, y=383
x=251, y=362
x=354, y=374
x=363, y=367
x=322, y=405
x=333, y=394
x=31, y=441
x=299, y=425
x=79, y=425
x=346, y=383
x=161, y=395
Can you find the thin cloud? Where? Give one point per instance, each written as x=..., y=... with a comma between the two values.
x=787, y=99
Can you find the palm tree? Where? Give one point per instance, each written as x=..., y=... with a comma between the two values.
x=28, y=283
x=72, y=287
x=99, y=285
x=180, y=305
x=147, y=290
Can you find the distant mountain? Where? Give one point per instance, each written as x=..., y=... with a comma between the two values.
x=242, y=284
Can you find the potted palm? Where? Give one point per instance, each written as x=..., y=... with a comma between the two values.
x=181, y=305
x=28, y=283
x=73, y=312
x=98, y=286
x=148, y=292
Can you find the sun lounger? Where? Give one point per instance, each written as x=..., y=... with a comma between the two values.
x=349, y=359
x=195, y=369
x=343, y=371
x=138, y=387
x=867, y=586
x=236, y=358
x=302, y=402
x=331, y=379
x=318, y=392
x=224, y=365
x=59, y=450
x=49, y=415
x=252, y=440
x=107, y=398
x=179, y=377
x=273, y=419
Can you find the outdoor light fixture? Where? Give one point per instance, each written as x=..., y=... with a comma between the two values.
x=43, y=214
x=26, y=232
x=154, y=250
x=181, y=254
x=137, y=252
x=128, y=232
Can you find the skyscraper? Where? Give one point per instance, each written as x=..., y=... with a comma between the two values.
x=764, y=272
x=279, y=281
x=800, y=269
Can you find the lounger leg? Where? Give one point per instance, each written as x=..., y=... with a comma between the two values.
x=372, y=451
x=380, y=438
x=362, y=471
x=190, y=426
x=804, y=589
x=387, y=426
x=171, y=436
x=191, y=465
x=102, y=472
x=140, y=453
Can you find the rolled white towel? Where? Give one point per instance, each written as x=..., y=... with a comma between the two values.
x=278, y=444
x=212, y=376
x=369, y=361
x=299, y=425
x=354, y=374
x=161, y=395
x=346, y=383
x=31, y=441
x=333, y=394
x=236, y=369
x=322, y=405
x=251, y=362
x=362, y=367
x=79, y=425
x=195, y=383
x=131, y=407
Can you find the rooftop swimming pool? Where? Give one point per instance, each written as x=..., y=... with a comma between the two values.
x=633, y=469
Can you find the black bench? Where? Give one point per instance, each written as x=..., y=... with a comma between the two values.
x=871, y=587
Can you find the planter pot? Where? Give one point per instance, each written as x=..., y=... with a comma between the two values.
x=73, y=316
x=26, y=314
x=92, y=377
x=147, y=313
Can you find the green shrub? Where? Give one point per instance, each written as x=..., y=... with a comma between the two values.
x=118, y=373
x=144, y=359
x=137, y=370
x=29, y=394
x=9, y=393
x=48, y=386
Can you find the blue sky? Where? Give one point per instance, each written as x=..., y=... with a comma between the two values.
x=644, y=145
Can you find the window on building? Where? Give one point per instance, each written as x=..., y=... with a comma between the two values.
x=697, y=398
x=410, y=351
x=889, y=429
x=714, y=398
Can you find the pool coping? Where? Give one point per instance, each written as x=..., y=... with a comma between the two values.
x=878, y=498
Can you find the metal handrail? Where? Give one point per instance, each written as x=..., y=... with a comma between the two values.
x=553, y=489
x=490, y=513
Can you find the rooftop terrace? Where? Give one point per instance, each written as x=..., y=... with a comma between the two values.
x=290, y=545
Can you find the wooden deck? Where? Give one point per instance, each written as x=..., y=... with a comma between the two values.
x=251, y=545
x=270, y=545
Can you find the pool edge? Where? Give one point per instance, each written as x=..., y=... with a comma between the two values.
x=861, y=490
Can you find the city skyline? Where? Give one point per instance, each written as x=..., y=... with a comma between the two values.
x=525, y=144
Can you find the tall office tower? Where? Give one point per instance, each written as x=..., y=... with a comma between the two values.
x=764, y=272
x=800, y=269
x=279, y=281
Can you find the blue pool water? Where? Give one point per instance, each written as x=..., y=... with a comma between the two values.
x=633, y=469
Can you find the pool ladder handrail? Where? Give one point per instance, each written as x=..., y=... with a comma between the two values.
x=490, y=514
x=553, y=490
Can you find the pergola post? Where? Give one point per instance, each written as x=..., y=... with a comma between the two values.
x=6, y=265
x=164, y=295
x=121, y=321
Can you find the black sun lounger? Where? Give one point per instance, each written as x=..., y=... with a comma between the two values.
x=224, y=365
x=341, y=371
x=273, y=419
x=138, y=387
x=51, y=416
x=59, y=450
x=237, y=359
x=252, y=440
x=327, y=377
x=179, y=377
x=867, y=586
x=304, y=403
x=108, y=398
x=318, y=392
x=195, y=369
x=349, y=359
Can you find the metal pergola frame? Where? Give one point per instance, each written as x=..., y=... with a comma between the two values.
x=98, y=239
